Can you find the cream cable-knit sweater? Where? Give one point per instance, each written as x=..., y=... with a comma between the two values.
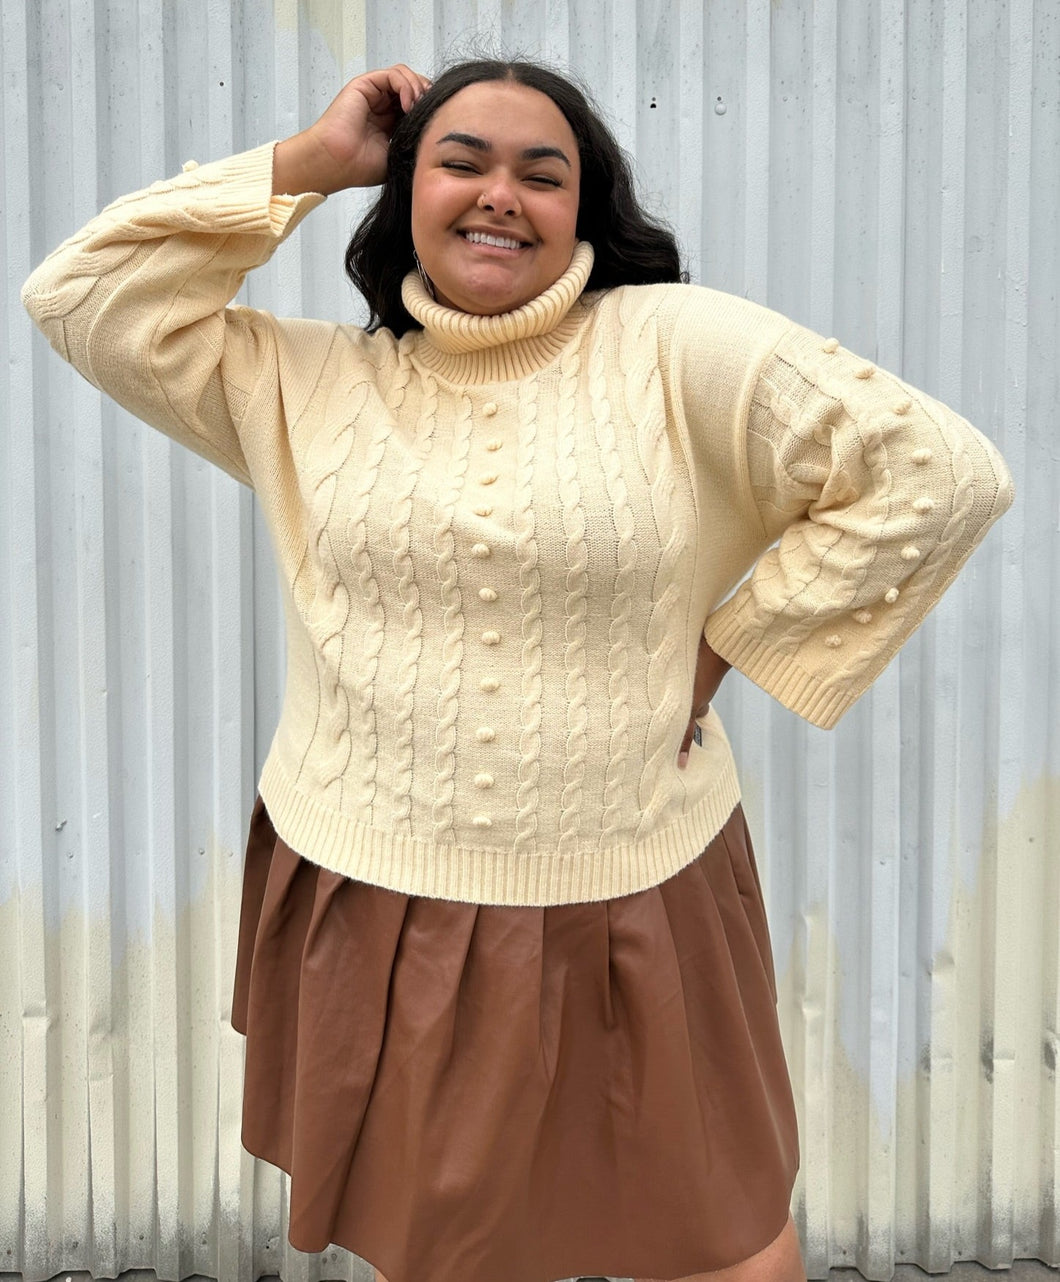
x=500, y=538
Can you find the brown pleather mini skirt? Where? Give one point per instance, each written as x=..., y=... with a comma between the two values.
x=485, y=1093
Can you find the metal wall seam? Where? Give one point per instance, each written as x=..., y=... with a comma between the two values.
x=624, y=80
x=88, y=1016
x=557, y=28
x=1004, y=1182
x=159, y=1049
x=823, y=165
x=940, y=639
x=887, y=940
x=30, y=1130
x=756, y=174
x=1043, y=691
x=23, y=999
x=1050, y=1141
x=812, y=141
x=690, y=108
x=159, y=1046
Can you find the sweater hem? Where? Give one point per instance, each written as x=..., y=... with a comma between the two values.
x=466, y=874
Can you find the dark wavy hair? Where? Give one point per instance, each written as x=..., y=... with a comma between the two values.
x=630, y=247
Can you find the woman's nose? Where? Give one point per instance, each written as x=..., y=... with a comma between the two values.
x=499, y=198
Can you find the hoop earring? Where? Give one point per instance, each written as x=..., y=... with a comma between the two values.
x=428, y=284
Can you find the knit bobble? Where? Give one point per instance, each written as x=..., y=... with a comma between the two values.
x=489, y=684
x=487, y=478
x=491, y=638
x=863, y=616
x=921, y=456
x=489, y=409
x=483, y=780
x=485, y=734
x=482, y=821
x=865, y=371
x=910, y=553
x=923, y=505
x=484, y=510
x=480, y=550
x=904, y=406
x=833, y=642
x=494, y=445
x=830, y=345
x=891, y=596
x=487, y=594
x=189, y=165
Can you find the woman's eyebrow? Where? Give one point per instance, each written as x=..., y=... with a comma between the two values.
x=540, y=153
x=481, y=144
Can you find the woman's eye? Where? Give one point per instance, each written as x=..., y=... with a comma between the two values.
x=547, y=179
x=461, y=165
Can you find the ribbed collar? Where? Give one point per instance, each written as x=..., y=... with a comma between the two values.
x=487, y=349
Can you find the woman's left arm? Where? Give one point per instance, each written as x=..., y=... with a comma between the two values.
x=877, y=494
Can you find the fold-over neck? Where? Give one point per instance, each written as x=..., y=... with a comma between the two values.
x=484, y=349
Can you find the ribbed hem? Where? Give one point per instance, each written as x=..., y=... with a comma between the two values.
x=779, y=675
x=484, y=876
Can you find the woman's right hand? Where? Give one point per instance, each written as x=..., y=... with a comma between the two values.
x=347, y=146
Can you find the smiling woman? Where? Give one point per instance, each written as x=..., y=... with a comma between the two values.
x=503, y=968
x=573, y=152
x=495, y=197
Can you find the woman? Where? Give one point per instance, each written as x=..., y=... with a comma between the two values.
x=504, y=969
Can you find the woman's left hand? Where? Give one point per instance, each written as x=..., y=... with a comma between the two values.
x=710, y=669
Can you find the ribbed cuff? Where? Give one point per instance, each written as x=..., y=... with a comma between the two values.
x=238, y=194
x=778, y=674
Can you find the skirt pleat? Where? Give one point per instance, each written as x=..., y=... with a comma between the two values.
x=470, y=1093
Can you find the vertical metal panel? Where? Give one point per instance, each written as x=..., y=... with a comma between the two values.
x=23, y=1004
x=889, y=172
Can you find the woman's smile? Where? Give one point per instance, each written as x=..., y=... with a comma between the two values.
x=495, y=197
x=493, y=240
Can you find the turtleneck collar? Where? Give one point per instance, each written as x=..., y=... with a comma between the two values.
x=485, y=349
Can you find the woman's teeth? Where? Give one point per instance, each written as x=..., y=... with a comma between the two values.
x=483, y=238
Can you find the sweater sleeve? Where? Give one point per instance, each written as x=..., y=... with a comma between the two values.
x=875, y=495
x=136, y=300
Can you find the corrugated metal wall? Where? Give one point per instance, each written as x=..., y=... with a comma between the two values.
x=888, y=171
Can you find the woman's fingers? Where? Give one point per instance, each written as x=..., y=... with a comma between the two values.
x=390, y=86
x=410, y=85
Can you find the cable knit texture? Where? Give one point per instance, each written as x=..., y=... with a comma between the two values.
x=500, y=538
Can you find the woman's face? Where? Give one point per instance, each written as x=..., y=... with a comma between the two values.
x=495, y=197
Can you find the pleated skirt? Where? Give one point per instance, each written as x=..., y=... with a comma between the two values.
x=484, y=1093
